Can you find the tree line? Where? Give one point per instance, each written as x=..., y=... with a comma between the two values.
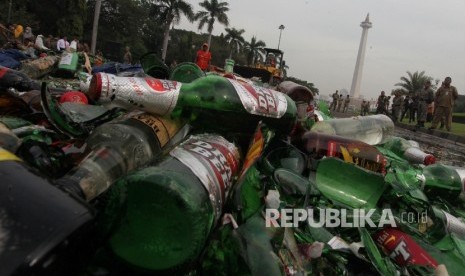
x=143, y=25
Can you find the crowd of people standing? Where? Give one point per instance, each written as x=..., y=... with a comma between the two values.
x=339, y=103
x=422, y=106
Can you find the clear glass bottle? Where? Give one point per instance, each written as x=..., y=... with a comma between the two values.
x=120, y=146
x=373, y=130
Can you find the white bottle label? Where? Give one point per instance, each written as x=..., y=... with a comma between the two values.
x=149, y=94
x=261, y=101
x=214, y=160
x=66, y=59
x=338, y=243
x=454, y=225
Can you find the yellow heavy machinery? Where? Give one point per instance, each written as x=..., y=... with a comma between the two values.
x=270, y=71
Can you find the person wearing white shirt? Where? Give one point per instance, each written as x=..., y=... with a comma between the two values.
x=73, y=45
x=39, y=43
x=61, y=44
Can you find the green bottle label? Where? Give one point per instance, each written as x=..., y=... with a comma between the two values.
x=261, y=101
x=215, y=161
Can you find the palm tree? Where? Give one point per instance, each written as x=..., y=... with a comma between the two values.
x=235, y=40
x=255, y=50
x=213, y=10
x=93, y=42
x=169, y=12
x=413, y=82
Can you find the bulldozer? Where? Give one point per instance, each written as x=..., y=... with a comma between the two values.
x=270, y=71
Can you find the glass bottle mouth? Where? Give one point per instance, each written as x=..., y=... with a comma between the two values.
x=429, y=159
x=95, y=87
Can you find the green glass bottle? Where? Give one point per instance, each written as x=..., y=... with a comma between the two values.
x=444, y=181
x=186, y=72
x=408, y=151
x=442, y=223
x=212, y=103
x=172, y=207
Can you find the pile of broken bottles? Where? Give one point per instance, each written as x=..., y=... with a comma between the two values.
x=329, y=196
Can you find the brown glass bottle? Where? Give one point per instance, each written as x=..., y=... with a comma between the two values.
x=319, y=145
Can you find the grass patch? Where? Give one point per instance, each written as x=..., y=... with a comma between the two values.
x=456, y=128
x=458, y=114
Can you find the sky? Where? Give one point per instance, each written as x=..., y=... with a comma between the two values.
x=321, y=39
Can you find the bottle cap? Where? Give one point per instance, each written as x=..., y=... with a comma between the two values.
x=429, y=159
x=74, y=97
x=95, y=87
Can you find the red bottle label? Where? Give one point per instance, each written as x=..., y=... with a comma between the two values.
x=161, y=86
x=261, y=101
x=403, y=249
x=214, y=160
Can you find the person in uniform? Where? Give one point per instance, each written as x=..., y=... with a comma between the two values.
x=346, y=104
x=425, y=97
x=335, y=97
x=363, y=111
x=340, y=100
x=430, y=112
x=405, y=107
x=445, y=98
x=397, y=103
x=381, y=104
